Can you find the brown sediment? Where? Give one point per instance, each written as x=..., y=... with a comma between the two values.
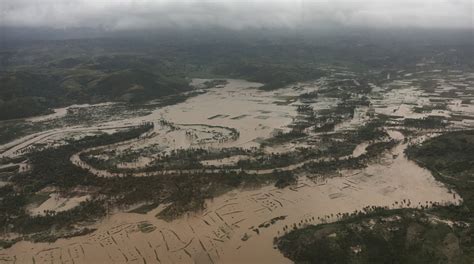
x=187, y=253
x=202, y=245
x=210, y=216
x=278, y=202
x=258, y=210
x=113, y=239
x=164, y=239
x=233, y=212
x=218, y=215
x=176, y=235
x=219, y=240
x=140, y=254
x=192, y=229
x=225, y=205
x=210, y=258
x=238, y=221
x=156, y=256
x=362, y=187
x=124, y=256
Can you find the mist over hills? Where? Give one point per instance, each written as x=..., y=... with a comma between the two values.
x=58, y=69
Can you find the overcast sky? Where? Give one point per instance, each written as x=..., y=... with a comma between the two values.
x=135, y=14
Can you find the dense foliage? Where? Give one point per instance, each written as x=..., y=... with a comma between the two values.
x=34, y=91
x=400, y=236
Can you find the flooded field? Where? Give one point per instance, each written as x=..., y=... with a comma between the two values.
x=239, y=226
x=237, y=128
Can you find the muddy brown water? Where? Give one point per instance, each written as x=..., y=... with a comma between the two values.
x=226, y=231
x=217, y=234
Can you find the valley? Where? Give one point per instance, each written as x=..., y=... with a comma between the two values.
x=222, y=175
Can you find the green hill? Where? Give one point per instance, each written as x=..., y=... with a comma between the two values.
x=24, y=94
x=136, y=85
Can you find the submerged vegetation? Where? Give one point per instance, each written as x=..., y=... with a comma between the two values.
x=52, y=167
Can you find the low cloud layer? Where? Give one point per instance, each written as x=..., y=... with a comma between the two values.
x=145, y=14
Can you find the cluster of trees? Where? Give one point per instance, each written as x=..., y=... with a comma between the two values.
x=331, y=166
x=376, y=148
x=214, y=83
x=273, y=75
x=371, y=131
x=325, y=120
x=430, y=122
x=309, y=95
x=25, y=94
x=368, y=237
x=285, y=178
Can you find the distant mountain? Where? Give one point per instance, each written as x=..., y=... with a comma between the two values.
x=74, y=80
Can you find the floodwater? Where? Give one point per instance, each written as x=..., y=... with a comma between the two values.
x=239, y=226
x=238, y=105
x=226, y=231
x=58, y=203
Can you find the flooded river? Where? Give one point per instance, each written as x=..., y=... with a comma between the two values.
x=238, y=226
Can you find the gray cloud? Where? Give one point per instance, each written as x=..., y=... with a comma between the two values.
x=135, y=14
